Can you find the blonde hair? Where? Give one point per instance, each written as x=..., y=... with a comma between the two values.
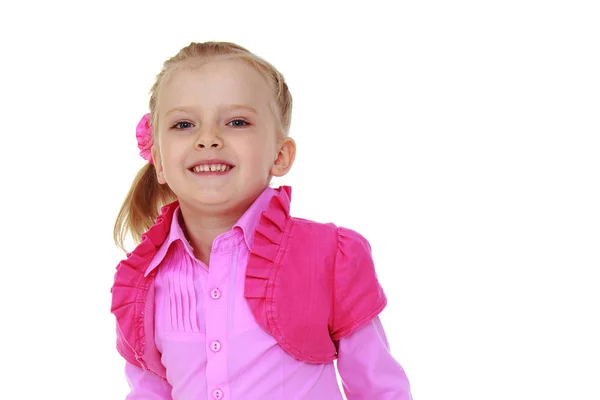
x=146, y=196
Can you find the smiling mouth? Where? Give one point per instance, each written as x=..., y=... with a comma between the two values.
x=211, y=168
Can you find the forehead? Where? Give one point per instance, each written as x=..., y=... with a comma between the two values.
x=215, y=82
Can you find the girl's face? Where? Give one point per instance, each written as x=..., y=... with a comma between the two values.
x=217, y=146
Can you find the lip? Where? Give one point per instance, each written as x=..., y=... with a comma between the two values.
x=211, y=161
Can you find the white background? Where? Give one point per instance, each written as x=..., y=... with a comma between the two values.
x=460, y=137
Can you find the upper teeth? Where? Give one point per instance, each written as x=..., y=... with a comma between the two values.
x=211, y=168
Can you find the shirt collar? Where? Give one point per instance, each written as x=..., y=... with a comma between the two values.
x=247, y=224
x=175, y=233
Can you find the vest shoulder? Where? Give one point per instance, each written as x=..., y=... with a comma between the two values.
x=324, y=226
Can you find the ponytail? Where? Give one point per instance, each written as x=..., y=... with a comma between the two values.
x=141, y=206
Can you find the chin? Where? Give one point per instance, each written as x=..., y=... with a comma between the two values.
x=227, y=196
x=209, y=198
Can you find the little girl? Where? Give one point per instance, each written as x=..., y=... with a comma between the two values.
x=227, y=296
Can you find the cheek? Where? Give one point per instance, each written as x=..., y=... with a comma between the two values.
x=266, y=157
x=170, y=152
x=257, y=152
x=260, y=162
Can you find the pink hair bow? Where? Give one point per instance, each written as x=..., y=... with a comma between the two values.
x=143, y=133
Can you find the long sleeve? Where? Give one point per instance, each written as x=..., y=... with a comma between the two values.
x=367, y=368
x=145, y=385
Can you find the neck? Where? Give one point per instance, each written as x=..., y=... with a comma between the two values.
x=202, y=228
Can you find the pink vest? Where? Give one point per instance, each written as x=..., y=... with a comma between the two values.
x=307, y=284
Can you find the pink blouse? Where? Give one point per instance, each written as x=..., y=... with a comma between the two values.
x=212, y=348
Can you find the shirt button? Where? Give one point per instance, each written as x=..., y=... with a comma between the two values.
x=215, y=346
x=217, y=394
x=215, y=294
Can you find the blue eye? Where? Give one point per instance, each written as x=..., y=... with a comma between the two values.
x=238, y=123
x=179, y=125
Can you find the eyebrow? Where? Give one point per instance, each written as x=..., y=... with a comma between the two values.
x=228, y=107
x=241, y=107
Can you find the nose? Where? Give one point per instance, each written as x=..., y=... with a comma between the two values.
x=209, y=138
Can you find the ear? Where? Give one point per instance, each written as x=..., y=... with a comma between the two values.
x=158, y=165
x=285, y=158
